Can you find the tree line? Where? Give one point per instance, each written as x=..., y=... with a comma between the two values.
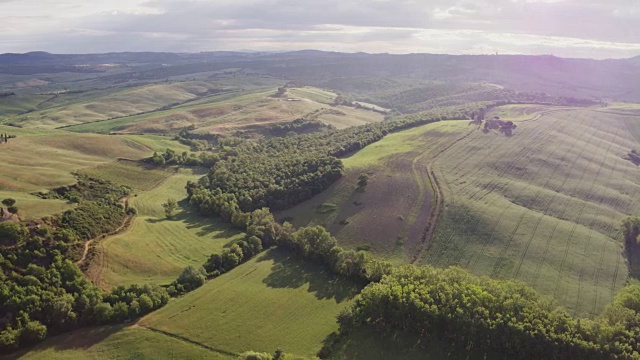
x=489, y=316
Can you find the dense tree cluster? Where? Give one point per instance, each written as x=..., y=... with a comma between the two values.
x=299, y=126
x=281, y=172
x=42, y=292
x=485, y=315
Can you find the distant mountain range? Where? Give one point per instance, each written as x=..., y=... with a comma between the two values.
x=597, y=79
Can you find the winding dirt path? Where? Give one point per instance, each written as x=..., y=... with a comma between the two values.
x=436, y=211
x=87, y=245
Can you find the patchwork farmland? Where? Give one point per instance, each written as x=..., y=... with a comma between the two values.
x=543, y=206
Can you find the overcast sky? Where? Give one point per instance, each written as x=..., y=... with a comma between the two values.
x=569, y=28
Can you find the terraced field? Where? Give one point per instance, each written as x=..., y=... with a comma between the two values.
x=273, y=301
x=155, y=249
x=543, y=206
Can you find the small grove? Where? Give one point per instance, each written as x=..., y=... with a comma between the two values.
x=42, y=292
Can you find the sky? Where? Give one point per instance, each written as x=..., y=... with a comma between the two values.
x=566, y=28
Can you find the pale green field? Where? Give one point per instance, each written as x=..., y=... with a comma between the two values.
x=229, y=113
x=521, y=112
x=118, y=342
x=32, y=207
x=315, y=94
x=42, y=159
x=371, y=106
x=131, y=174
x=155, y=249
x=272, y=301
x=121, y=103
x=543, y=206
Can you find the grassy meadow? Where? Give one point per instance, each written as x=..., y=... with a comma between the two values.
x=42, y=159
x=543, y=206
x=272, y=301
x=32, y=207
x=156, y=249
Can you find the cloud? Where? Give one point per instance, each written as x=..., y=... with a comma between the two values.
x=570, y=27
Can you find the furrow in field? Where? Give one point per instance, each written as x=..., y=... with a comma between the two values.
x=592, y=224
x=540, y=131
x=477, y=254
x=557, y=191
x=573, y=229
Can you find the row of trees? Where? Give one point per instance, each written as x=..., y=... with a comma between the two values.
x=263, y=231
x=4, y=138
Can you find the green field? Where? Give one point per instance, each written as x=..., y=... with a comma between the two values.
x=32, y=207
x=130, y=173
x=119, y=103
x=156, y=249
x=273, y=301
x=543, y=206
x=236, y=111
x=118, y=342
x=42, y=159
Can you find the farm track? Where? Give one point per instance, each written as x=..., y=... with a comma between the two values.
x=125, y=224
x=435, y=213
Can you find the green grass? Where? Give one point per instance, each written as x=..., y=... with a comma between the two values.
x=32, y=207
x=130, y=173
x=543, y=206
x=273, y=301
x=42, y=159
x=155, y=249
x=17, y=104
x=117, y=104
x=118, y=342
x=520, y=112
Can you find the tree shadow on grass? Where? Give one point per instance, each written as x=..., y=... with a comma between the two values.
x=290, y=272
x=366, y=342
x=80, y=339
x=204, y=225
